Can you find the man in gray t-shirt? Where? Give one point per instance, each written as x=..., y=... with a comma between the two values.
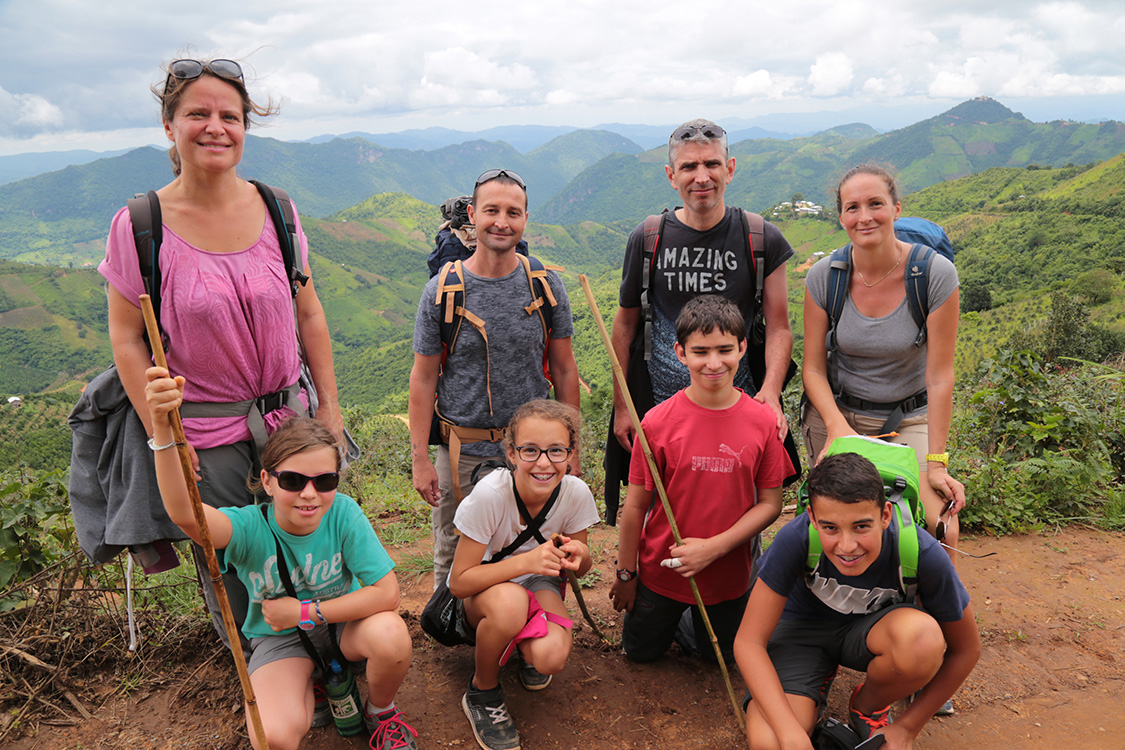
x=485, y=378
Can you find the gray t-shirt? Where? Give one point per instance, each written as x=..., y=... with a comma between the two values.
x=876, y=358
x=510, y=365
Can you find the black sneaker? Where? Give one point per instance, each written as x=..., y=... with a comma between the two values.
x=488, y=716
x=530, y=677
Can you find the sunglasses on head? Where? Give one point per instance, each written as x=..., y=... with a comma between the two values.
x=709, y=131
x=294, y=481
x=187, y=69
x=492, y=174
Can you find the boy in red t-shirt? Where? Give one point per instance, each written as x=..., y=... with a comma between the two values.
x=722, y=463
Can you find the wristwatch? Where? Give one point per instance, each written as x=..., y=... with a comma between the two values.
x=938, y=458
x=626, y=575
x=306, y=622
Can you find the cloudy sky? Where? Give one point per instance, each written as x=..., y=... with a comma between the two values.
x=76, y=73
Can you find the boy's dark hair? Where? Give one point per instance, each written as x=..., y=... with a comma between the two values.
x=707, y=312
x=846, y=478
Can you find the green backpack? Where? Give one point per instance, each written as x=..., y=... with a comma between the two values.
x=898, y=465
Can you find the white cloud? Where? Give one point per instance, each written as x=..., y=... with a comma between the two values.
x=72, y=66
x=830, y=74
x=758, y=83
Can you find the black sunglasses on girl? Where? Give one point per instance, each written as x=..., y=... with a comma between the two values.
x=187, y=69
x=294, y=481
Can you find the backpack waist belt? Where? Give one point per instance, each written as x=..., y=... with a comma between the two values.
x=454, y=436
x=253, y=409
x=897, y=409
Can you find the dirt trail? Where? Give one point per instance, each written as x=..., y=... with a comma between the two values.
x=1049, y=607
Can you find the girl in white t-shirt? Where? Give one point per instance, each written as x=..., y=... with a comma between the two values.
x=515, y=604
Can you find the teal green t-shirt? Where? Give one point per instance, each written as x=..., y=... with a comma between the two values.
x=340, y=556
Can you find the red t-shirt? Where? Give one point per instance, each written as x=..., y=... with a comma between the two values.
x=710, y=460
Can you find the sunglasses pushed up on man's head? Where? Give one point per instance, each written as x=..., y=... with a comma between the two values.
x=492, y=174
x=714, y=132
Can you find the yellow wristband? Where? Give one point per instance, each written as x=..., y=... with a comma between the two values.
x=940, y=458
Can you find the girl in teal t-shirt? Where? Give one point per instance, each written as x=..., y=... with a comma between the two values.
x=338, y=568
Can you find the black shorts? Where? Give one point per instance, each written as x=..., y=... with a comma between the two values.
x=652, y=624
x=806, y=653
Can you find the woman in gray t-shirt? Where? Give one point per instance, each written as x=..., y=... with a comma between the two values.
x=877, y=363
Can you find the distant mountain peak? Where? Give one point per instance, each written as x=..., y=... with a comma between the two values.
x=981, y=110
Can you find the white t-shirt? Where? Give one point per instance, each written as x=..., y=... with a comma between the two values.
x=489, y=515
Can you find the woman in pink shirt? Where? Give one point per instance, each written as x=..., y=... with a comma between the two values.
x=226, y=305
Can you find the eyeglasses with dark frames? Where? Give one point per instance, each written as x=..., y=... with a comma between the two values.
x=556, y=454
x=295, y=481
x=492, y=174
x=187, y=69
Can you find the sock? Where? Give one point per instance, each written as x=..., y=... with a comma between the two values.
x=372, y=710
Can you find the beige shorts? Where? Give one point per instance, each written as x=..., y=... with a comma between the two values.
x=914, y=431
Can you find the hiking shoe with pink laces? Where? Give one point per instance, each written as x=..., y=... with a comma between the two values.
x=866, y=725
x=389, y=731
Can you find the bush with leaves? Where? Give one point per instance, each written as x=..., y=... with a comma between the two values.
x=34, y=529
x=1033, y=445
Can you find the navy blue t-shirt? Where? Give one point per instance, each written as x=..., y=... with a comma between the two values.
x=828, y=594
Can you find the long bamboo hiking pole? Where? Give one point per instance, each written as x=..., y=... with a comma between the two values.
x=205, y=533
x=619, y=376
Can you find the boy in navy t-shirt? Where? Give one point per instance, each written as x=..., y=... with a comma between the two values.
x=851, y=610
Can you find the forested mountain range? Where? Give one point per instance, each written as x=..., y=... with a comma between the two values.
x=1020, y=234
x=973, y=136
x=61, y=218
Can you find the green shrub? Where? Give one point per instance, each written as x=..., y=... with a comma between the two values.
x=34, y=529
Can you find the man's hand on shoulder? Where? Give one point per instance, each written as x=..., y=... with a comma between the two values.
x=773, y=401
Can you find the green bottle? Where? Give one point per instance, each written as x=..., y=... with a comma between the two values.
x=343, y=697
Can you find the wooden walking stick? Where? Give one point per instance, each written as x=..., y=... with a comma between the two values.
x=556, y=539
x=619, y=376
x=205, y=533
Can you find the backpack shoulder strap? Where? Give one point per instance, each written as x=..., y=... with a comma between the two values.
x=839, y=275
x=450, y=299
x=754, y=229
x=917, y=277
x=281, y=213
x=907, y=539
x=148, y=235
x=542, y=298
x=653, y=230
x=812, y=559
x=533, y=524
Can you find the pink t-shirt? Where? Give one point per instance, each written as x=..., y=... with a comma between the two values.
x=711, y=461
x=228, y=318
